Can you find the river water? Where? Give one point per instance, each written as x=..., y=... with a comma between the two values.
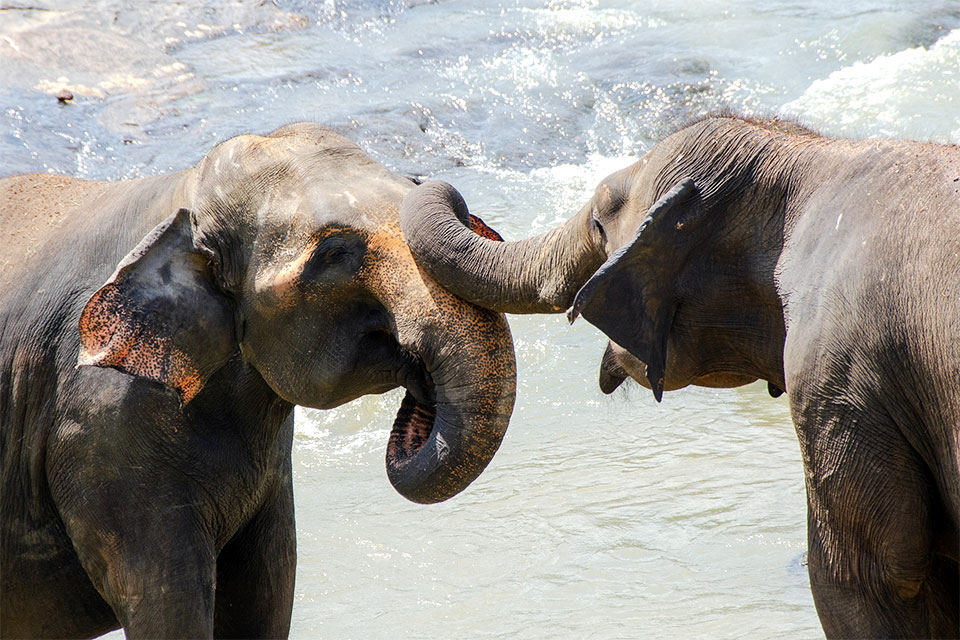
x=599, y=517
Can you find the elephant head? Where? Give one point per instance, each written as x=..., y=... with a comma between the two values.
x=672, y=258
x=288, y=251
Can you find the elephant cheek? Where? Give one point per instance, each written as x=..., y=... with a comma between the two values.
x=278, y=289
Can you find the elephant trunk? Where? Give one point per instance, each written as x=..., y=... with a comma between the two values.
x=436, y=451
x=540, y=274
x=455, y=414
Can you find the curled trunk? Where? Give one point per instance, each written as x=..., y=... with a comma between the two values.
x=455, y=413
x=436, y=451
x=540, y=274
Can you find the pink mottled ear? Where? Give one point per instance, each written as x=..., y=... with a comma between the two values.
x=480, y=228
x=160, y=316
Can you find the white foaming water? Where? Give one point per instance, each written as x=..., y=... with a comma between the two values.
x=599, y=517
x=567, y=187
x=913, y=93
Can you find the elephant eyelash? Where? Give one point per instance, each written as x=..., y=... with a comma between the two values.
x=335, y=255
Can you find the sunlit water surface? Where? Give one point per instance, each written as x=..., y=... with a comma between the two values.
x=599, y=517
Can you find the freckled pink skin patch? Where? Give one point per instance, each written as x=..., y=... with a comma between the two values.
x=111, y=338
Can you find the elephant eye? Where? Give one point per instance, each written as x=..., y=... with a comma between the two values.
x=332, y=251
x=335, y=255
x=598, y=227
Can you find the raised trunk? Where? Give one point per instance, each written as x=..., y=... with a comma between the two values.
x=540, y=274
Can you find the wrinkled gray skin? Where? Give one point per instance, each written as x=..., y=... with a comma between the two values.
x=150, y=486
x=737, y=251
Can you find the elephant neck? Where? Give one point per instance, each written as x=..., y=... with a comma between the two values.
x=237, y=403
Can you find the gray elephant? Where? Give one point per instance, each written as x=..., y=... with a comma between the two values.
x=150, y=486
x=738, y=250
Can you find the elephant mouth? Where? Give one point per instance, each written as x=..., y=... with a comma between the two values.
x=418, y=410
x=411, y=428
x=395, y=366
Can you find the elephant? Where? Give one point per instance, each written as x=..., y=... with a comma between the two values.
x=155, y=335
x=743, y=249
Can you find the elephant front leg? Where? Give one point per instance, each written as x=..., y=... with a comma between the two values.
x=171, y=607
x=150, y=559
x=873, y=513
x=255, y=574
x=161, y=587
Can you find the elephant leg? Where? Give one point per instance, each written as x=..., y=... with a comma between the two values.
x=873, y=513
x=172, y=607
x=148, y=554
x=858, y=607
x=255, y=574
x=159, y=580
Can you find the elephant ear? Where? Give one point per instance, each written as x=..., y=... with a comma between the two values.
x=160, y=316
x=633, y=296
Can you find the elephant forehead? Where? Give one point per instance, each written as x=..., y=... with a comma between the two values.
x=603, y=196
x=368, y=202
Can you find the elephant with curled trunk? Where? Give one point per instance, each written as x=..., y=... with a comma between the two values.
x=147, y=422
x=741, y=250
